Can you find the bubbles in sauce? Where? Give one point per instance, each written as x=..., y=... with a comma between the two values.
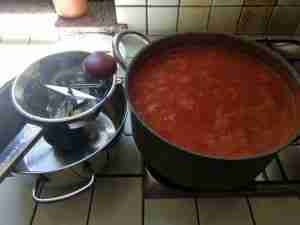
x=213, y=100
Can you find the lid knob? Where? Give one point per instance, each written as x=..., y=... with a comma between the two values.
x=99, y=65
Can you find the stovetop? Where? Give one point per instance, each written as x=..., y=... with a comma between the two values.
x=281, y=177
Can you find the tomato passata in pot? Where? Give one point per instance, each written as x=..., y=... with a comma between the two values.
x=213, y=100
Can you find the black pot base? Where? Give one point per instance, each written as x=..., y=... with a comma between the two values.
x=164, y=181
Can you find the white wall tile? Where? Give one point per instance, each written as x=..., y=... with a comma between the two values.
x=130, y=2
x=193, y=19
x=135, y=17
x=195, y=2
x=162, y=20
x=224, y=19
x=227, y=2
x=163, y=2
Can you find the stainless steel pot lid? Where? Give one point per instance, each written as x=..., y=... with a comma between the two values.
x=54, y=89
x=43, y=158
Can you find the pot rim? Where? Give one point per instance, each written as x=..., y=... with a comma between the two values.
x=290, y=69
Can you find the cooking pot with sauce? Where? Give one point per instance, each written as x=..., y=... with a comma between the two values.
x=221, y=128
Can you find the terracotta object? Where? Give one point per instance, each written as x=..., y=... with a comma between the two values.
x=70, y=8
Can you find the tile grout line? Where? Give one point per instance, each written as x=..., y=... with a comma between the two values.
x=39, y=191
x=147, y=18
x=240, y=16
x=93, y=189
x=250, y=211
x=267, y=29
x=33, y=213
x=209, y=15
x=178, y=15
x=115, y=10
x=29, y=40
x=197, y=210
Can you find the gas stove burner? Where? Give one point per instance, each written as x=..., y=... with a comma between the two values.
x=45, y=158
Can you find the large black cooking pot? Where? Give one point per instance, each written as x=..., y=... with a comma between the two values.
x=178, y=165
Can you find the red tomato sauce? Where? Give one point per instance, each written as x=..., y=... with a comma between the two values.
x=213, y=100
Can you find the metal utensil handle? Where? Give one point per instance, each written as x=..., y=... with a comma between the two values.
x=60, y=197
x=18, y=147
x=86, y=85
x=116, y=45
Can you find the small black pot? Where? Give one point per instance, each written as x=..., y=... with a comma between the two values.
x=194, y=170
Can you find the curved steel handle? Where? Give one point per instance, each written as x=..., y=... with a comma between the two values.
x=116, y=45
x=60, y=197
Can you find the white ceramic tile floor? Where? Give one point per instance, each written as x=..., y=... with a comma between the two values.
x=125, y=158
x=276, y=211
x=117, y=201
x=170, y=212
x=16, y=204
x=73, y=211
x=224, y=211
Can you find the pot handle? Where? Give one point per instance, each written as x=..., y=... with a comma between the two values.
x=40, y=180
x=116, y=45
